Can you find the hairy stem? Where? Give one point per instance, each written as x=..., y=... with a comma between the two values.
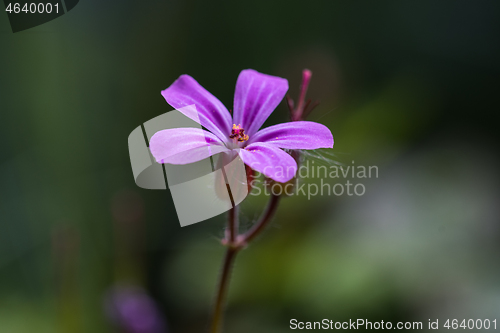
x=227, y=264
x=233, y=225
x=264, y=220
x=234, y=245
x=306, y=77
x=223, y=288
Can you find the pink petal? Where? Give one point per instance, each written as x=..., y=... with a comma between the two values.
x=255, y=98
x=269, y=160
x=295, y=135
x=210, y=112
x=184, y=145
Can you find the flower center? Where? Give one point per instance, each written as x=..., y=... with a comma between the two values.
x=238, y=133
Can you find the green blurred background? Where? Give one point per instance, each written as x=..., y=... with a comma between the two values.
x=409, y=86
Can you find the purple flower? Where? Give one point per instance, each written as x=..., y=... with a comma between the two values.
x=255, y=98
x=131, y=308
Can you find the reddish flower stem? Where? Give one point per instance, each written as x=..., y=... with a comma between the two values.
x=264, y=220
x=306, y=78
x=223, y=289
x=233, y=224
x=233, y=247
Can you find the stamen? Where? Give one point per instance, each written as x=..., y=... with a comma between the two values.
x=238, y=133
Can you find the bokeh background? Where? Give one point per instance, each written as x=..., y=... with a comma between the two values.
x=409, y=86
